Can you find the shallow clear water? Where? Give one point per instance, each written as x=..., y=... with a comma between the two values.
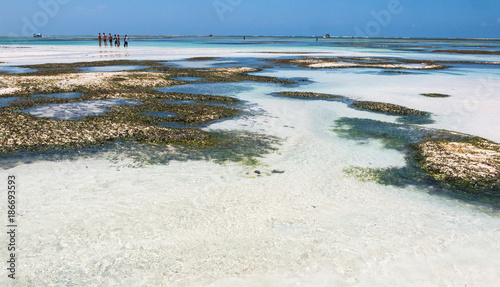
x=77, y=110
x=404, y=44
x=15, y=70
x=109, y=220
x=198, y=223
x=6, y=101
x=60, y=96
x=199, y=64
x=187, y=79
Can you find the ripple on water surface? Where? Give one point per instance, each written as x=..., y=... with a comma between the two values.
x=16, y=70
x=6, y=101
x=77, y=110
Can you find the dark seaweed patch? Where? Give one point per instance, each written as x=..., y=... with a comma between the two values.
x=308, y=95
x=435, y=95
x=203, y=58
x=387, y=108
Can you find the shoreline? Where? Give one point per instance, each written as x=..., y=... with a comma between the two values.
x=132, y=213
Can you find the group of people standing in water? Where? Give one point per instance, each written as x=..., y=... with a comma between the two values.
x=110, y=38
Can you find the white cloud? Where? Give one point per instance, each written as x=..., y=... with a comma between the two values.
x=498, y=20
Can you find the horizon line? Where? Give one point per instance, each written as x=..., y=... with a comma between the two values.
x=286, y=36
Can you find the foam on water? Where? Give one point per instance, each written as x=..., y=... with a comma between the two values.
x=77, y=110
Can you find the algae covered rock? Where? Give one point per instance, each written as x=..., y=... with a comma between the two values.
x=473, y=164
x=388, y=108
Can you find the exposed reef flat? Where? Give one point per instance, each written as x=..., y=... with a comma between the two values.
x=141, y=122
x=61, y=68
x=472, y=163
x=360, y=62
x=309, y=95
x=387, y=64
x=222, y=75
x=95, y=64
x=203, y=58
x=437, y=156
x=388, y=108
x=107, y=83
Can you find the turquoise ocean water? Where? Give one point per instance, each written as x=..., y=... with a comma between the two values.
x=399, y=44
x=130, y=214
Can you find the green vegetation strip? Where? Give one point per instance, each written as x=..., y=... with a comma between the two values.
x=435, y=95
x=203, y=58
x=309, y=95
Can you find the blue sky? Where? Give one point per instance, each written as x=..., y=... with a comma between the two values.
x=385, y=18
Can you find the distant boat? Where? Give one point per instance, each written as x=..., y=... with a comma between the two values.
x=327, y=36
x=37, y=35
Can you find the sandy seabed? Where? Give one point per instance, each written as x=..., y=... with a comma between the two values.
x=97, y=222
